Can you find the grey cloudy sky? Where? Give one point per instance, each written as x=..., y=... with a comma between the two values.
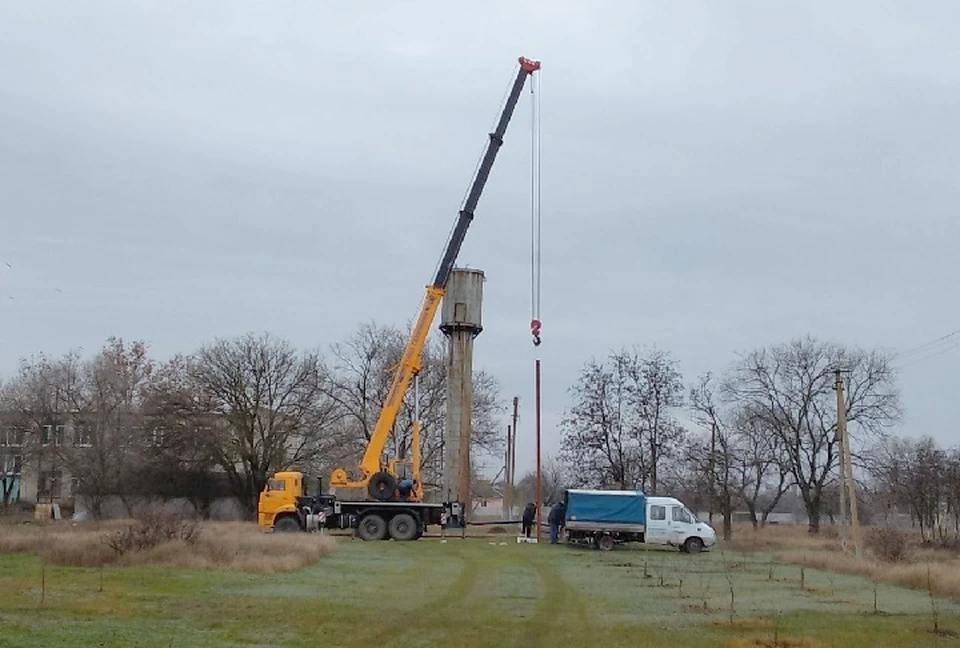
x=717, y=176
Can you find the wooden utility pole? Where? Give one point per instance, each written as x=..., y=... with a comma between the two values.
x=508, y=476
x=513, y=448
x=846, y=467
x=841, y=411
x=713, y=469
x=539, y=491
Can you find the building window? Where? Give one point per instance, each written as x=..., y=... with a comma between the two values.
x=81, y=436
x=58, y=435
x=74, y=487
x=11, y=465
x=14, y=437
x=46, y=434
x=159, y=436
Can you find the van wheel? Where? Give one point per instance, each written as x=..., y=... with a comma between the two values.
x=372, y=527
x=605, y=543
x=286, y=524
x=693, y=545
x=403, y=527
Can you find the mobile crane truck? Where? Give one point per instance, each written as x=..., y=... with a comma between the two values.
x=390, y=509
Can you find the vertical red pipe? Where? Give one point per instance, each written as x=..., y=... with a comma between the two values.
x=539, y=493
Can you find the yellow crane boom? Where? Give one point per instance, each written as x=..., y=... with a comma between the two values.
x=377, y=478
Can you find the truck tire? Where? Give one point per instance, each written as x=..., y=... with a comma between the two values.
x=605, y=543
x=403, y=527
x=286, y=524
x=382, y=486
x=372, y=527
x=693, y=545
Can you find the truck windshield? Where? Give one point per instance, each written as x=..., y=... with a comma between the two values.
x=276, y=485
x=680, y=514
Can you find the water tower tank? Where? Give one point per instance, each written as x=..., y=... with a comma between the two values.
x=461, y=306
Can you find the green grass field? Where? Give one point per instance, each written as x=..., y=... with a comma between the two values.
x=468, y=593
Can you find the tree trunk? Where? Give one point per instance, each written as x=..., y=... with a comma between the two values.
x=653, y=469
x=727, y=511
x=813, y=513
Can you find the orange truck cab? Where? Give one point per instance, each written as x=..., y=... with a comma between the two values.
x=278, y=507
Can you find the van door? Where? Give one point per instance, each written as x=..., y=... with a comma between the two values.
x=680, y=525
x=658, y=531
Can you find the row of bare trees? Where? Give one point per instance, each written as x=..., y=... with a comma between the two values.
x=918, y=478
x=222, y=419
x=743, y=439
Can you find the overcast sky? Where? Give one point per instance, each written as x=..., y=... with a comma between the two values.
x=714, y=178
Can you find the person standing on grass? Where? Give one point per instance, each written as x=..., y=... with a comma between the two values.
x=529, y=513
x=557, y=520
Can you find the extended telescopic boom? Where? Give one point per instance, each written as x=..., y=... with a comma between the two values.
x=380, y=484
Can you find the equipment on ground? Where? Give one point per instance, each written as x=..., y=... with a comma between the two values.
x=285, y=506
x=605, y=518
x=379, y=479
x=395, y=508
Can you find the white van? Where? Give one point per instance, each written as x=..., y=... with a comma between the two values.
x=605, y=518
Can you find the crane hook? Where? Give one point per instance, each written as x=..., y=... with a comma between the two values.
x=535, y=331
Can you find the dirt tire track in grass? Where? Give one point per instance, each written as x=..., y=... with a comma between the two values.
x=558, y=599
x=424, y=615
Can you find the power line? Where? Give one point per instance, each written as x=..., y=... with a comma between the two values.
x=929, y=346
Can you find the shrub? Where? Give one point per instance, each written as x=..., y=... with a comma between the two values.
x=208, y=545
x=889, y=545
x=150, y=530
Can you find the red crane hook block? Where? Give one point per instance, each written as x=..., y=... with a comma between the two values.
x=535, y=326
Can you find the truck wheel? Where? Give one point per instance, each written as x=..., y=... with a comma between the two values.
x=286, y=524
x=693, y=545
x=382, y=486
x=403, y=526
x=372, y=527
x=605, y=543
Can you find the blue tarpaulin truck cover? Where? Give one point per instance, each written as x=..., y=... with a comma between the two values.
x=598, y=506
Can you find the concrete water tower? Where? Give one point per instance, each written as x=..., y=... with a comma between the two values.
x=460, y=321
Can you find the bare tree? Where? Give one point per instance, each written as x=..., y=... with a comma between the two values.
x=105, y=398
x=762, y=467
x=914, y=475
x=555, y=478
x=789, y=387
x=717, y=459
x=621, y=425
x=33, y=402
x=359, y=379
x=656, y=389
x=84, y=417
x=598, y=437
x=269, y=406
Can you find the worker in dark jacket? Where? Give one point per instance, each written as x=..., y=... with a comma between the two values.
x=557, y=520
x=529, y=513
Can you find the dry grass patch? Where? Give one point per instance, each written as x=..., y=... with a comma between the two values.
x=780, y=536
x=781, y=642
x=941, y=577
x=212, y=545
